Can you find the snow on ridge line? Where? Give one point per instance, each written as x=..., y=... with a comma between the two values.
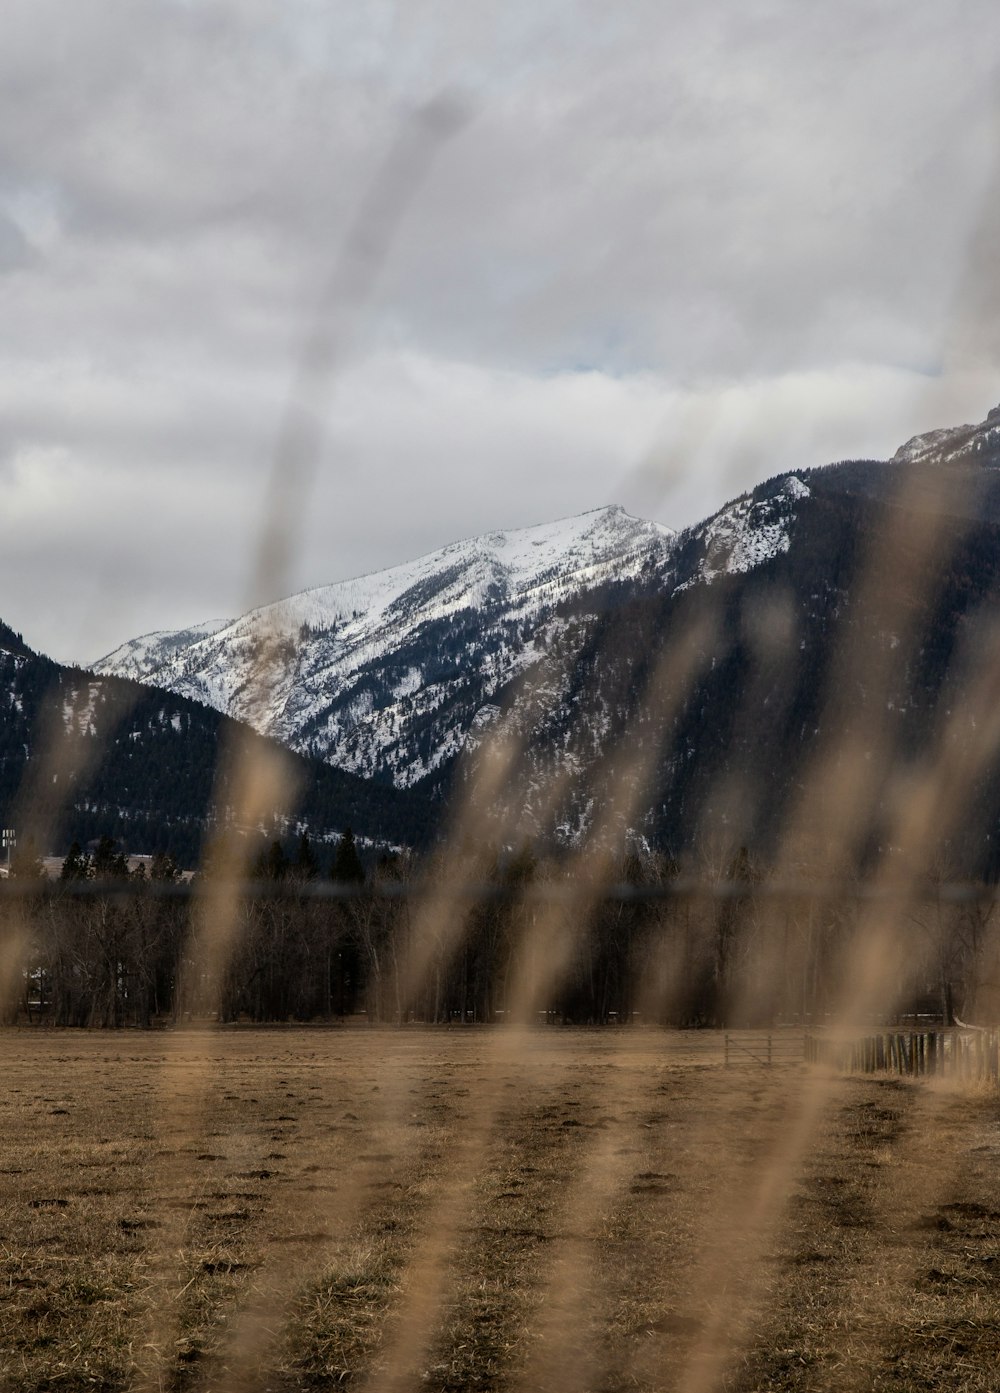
x=948, y=442
x=325, y=638
x=168, y=641
x=519, y=545
x=745, y=534
x=524, y=555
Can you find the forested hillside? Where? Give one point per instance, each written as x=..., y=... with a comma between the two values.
x=139, y=764
x=857, y=628
x=842, y=604
x=675, y=691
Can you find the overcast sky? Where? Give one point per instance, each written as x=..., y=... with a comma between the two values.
x=646, y=253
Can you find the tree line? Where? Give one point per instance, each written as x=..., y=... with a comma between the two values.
x=412, y=942
x=108, y=862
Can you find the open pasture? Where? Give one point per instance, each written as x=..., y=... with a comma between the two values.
x=479, y=1209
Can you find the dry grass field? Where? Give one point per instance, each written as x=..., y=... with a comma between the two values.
x=479, y=1209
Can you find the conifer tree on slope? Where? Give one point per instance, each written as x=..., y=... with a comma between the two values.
x=347, y=867
x=76, y=866
x=306, y=866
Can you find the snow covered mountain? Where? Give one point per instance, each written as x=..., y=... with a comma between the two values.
x=955, y=444
x=384, y=675
x=620, y=736
x=556, y=636
x=744, y=534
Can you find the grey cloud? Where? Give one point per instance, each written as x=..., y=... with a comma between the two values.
x=16, y=252
x=759, y=215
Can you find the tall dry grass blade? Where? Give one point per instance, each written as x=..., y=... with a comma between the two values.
x=257, y=781
x=341, y=310
x=544, y=958
x=590, y=870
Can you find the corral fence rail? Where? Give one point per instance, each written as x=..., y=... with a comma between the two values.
x=764, y=1048
x=968, y=1053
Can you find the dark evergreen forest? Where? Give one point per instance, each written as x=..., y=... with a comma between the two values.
x=813, y=648
x=152, y=782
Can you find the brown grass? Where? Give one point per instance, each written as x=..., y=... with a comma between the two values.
x=429, y=1209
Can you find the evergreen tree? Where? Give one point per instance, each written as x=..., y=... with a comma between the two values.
x=271, y=864
x=306, y=865
x=76, y=865
x=109, y=863
x=164, y=867
x=391, y=866
x=347, y=867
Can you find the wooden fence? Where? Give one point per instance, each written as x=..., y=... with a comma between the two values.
x=953, y=1053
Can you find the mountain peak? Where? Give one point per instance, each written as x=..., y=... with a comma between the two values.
x=361, y=666
x=954, y=444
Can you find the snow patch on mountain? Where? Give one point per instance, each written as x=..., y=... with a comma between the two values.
x=746, y=534
x=79, y=708
x=952, y=444
x=383, y=673
x=141, y=656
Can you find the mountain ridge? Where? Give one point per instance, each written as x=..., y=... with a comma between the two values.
x=359, y=656
x=389, y=674
x=84, y=755
x=436, y=654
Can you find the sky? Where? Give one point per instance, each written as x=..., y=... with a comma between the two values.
x=291, y=292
